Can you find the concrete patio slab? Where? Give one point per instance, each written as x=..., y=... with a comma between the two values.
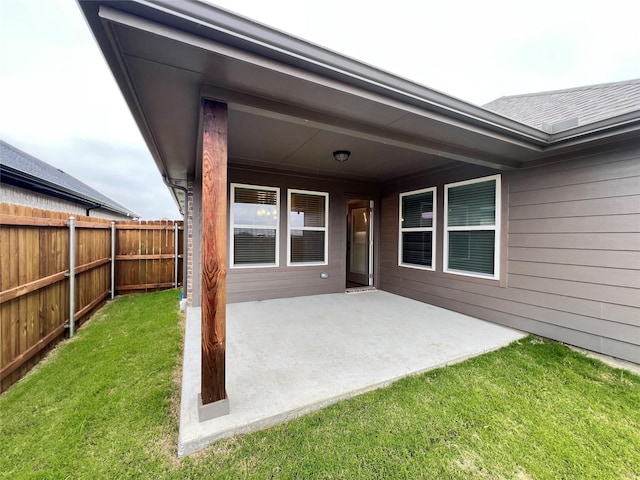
x=288, y=357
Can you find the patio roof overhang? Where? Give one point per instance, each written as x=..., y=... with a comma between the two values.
x=292, y=103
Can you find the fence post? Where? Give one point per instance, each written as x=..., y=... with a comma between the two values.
x=113, y=259
x=72, y=275
x=175, y=249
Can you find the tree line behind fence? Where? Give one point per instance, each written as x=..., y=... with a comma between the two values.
x=38, y=274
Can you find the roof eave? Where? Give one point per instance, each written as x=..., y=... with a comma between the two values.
x=208, y=21
x=610, y=126
x=197, y=18
x=257, y=37
x=60, y=192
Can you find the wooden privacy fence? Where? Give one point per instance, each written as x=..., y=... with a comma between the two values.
x=48, y=258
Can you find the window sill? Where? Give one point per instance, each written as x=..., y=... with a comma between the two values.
x=417, y=267
x=475, y=278
x=252, y=265
x=308, y=264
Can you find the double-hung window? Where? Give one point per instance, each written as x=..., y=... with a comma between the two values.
x=472, y=227
x=254, y=226
x=416, y=244
x=307, y=242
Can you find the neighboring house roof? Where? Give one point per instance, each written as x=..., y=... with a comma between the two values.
x=23, y=170
x=560, y=110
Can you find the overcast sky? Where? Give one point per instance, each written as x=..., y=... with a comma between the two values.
x=59, y=102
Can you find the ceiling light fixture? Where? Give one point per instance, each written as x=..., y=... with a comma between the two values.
x=341, y=155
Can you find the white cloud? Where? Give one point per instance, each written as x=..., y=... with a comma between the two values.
x=473, y=50
x=61, y=104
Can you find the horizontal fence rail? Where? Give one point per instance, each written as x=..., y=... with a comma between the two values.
x=51, y=279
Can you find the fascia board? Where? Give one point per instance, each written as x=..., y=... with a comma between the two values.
x=58, y=191
x=196, y=19
x=253, y=37
x=622, y=123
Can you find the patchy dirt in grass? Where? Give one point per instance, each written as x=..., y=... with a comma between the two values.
x=469, y=463
x=520, y=475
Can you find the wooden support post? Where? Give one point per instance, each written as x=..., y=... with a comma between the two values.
x=214, y=263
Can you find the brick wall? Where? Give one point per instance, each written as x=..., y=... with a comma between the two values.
x=189, y=243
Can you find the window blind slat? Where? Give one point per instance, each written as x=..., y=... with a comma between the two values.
x=254, y=246
x=307, y=210
x=472, y=204
x=307, y=246
x=307, y=227
x=254, y=207
x=472, y=251
x=416, y=228
x=417, y=210
x=417, y=248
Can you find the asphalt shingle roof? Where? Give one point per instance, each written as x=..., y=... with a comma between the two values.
x=30, y=166
x=549, y=111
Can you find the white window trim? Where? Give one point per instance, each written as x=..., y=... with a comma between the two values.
x=431, y=229
x=233, y=225
x=495, y=227
x=317, y=229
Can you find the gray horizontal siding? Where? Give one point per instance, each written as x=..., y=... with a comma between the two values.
x=578, y=273
x=553, y=301
x=592, y=241
x=622, y=332
x=591, y=224
x=594, y=169
x=581, y=191
x=593, y=291
x=593, y=207
x=295, y=281
x=627, y=259
x=573, y=336
x=572, y=254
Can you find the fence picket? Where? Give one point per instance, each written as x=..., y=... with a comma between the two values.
x=34, y=291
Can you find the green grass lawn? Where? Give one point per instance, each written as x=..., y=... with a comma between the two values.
x=104, y=406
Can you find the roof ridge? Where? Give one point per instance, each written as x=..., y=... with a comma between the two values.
x=632, y=81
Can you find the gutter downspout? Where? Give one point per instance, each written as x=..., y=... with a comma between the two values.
x=169, y=184
x=88, y=209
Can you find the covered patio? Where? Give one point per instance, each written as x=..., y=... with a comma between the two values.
x=270, y=144
x=289, y=357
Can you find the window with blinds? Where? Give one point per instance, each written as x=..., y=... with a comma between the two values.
x=416, y=244
x=472, y=227
x=307, y=228
x=254, y=226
